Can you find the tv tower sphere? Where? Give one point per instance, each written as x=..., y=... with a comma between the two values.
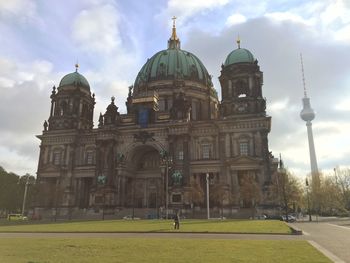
x=307, y=113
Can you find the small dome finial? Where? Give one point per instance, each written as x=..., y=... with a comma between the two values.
x=112, y=99
x=238, y=42
x=76, y=66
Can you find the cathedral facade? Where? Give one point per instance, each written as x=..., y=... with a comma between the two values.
x=175, y=139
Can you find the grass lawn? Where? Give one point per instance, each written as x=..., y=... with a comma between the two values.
x=35, y=250
x=232, y=226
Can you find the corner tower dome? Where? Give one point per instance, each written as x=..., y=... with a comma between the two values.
x=75, y=79
x=172, y=64
x=239, y=55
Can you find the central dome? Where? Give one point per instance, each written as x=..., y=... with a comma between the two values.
x=173, y=64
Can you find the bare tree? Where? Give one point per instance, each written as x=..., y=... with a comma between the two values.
x=286, y=190
x=330, y=197
x=219, y=193
x=250, y=192
x=342, y=177
x=197, y=194
x=330, y=194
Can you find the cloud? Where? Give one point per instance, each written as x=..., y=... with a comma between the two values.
x=343, y=105
x=235, y=19
x=189, y=8
x=97, y=29
x=336, y=12
x=17, y=162
x=24, y=106
x=343, y=34
x=287, y=16
x=329, y=19
x=18, y=8
x=20, y=13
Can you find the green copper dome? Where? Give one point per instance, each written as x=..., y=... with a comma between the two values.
x=75, y=79
x=173, y=63
x=239, y=55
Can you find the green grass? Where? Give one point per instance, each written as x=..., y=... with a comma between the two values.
x=231, y=226
x=35, y=250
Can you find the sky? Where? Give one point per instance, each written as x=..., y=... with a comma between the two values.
x=41, y=40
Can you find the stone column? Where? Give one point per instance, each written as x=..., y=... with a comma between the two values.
x=227, y=145
x=186, y=160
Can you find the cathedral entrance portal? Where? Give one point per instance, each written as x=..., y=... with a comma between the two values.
x=145, y=181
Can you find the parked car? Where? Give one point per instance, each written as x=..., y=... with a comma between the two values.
x=274, y=217
x=129, y=217
x=290, y=218
x=282, y=218
x=16, y=217
x=261, y=217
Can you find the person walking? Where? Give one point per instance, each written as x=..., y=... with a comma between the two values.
x=177, y=221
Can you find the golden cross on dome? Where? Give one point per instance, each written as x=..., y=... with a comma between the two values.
x=174, y=18
x=238, y=42
x=173, y=35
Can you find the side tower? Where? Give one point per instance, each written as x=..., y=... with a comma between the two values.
x=246, y=127
x=307, y=114
x=67, y=148
x=241, y=82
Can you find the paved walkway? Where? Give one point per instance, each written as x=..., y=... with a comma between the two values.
x=154, y=235
x=332, y=238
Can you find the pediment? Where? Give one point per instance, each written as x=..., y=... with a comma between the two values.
x=246, y=161
x=50, y=168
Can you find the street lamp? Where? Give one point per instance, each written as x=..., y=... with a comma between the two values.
x=207, y=179
x=25, y=194
x=308, y=199
x=101, y=182
x=133, y=198
x=166, y=160
x=284, y=175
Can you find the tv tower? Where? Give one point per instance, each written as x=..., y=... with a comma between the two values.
x=308, y=114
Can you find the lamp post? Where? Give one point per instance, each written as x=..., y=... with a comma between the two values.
x=166, y=160
x=25, y=194
x=133, y=198
x=103, y=205
x=308, y=199
x=284, y=175
x=101, y=182
x=58, y=194
x=207, y=180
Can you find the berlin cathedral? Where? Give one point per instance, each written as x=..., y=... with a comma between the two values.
x=176, y=146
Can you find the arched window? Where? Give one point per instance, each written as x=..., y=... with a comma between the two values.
x=243, y=143
x=241, y=88
x=57, y=157
x=63, y=108
x=243, y=148
x=206, y=150
x=179, y=151
x=90, y=157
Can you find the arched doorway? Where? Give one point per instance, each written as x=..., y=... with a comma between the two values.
x=145, y=183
